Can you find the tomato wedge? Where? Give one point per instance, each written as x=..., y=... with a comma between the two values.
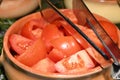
x=111, y=29
x=70, y=31
x=19, y=43
x=76, y=63
x=108, y=26
x=33, y=54
x=32, y=29
x=56, y=55
x=49, y=33
x=67, y=45
x=44, y=65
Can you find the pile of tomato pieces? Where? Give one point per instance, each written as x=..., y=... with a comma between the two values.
x=56, y=47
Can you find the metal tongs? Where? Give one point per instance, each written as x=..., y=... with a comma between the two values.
x=87, y=17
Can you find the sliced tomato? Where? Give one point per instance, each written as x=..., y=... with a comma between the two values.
x=33, y=54
x=50, y=32
x=56, y=55
x=67, y=44
x=91, y=35
x=19, y=43
x=74, y=33
x=44, y=65
x=76, y=63
x=111, y=29
x=108, y=26
x=33, y=29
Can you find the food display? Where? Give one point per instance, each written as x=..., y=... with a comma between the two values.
x=36, y=48
x=55, y=47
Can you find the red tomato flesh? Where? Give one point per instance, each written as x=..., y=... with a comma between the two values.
x=33, y=54
x=78, y=62
x=19, y=43
x=56, y=55
x=67, y=45
x=44, y=65
x=49, y=33
x=111, y=29
x=32, y=29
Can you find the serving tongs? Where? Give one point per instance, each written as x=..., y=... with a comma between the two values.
x=87, y=17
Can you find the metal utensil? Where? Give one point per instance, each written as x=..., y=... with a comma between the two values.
x=80, y=7
x=54, y=9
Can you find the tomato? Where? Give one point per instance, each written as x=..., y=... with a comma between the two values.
x=19, y=43
x=33, y=54
x=33, y=29
x=76, y=63
x=97, y=57
x=44, y=65
x=67, y=45
x=75, y=34
x=111, y=29
x=108, y=26
x=50, y=32
x=56, y=55
x=91, y=35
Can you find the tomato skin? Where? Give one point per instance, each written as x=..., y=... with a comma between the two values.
x=56, y=55
x=45, y=65
x=33, y=54
x=67, y=44
x=19, y=43
x=49, y=33
x=108, y=26
x=32, y=29
x=75, y=34
x=77, y=63
x=111, y=29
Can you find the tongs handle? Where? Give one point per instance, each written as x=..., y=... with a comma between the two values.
x=111, y=47
x=77, y=29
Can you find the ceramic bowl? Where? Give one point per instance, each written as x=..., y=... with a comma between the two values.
x=16, y=71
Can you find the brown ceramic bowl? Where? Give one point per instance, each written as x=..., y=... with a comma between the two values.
x=17, y=71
